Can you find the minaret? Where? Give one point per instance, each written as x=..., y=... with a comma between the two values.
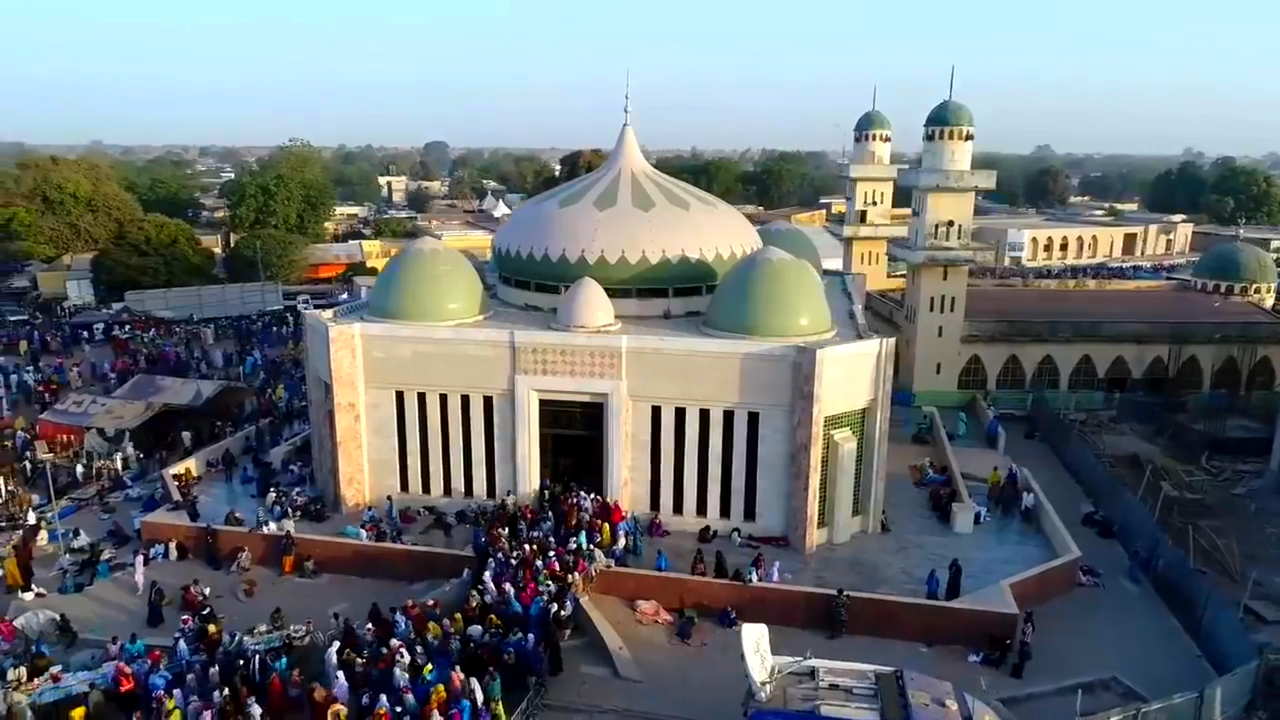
x=943, y=191
x=869, y=178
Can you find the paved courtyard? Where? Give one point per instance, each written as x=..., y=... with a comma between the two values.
x=1124, y=630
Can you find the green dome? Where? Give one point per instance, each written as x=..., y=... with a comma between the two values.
x=770, y=295
x=873, y=121
x=430, y=283
x=1236, y=262
x=791, y=240
x=949, y=113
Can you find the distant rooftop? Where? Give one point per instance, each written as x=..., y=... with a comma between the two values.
x=1261, y=232
x=1162, y=305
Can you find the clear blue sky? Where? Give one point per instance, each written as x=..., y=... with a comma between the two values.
x=1087, y=75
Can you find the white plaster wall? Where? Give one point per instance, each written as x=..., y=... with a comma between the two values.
x=948, y=154
x=437, y=363
x=317, y=339
x=690, y=378
x=850, y=375
x=380, y=446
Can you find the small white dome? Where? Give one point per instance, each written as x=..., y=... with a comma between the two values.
x=585, y=308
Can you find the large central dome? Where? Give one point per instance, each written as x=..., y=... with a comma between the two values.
x=639, y=233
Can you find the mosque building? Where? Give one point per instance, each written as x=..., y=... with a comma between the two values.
x=1213, y=329
x=631, y=334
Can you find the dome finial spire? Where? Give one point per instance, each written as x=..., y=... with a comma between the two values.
x=626, y=108
x=874, y=90
x=951, y=87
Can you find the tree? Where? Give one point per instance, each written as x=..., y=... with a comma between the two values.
x=437, y=156
x=419, y=200
x=1178, y=190
x=1241, y=193
x=162, y=185
x=290, y=191
x=579, y=163
x=394, y=227
x=153, y=252
x=280, y=255
x=1047, y=187
x=778, y=181
x=1044, y=151
x=59, y=205
x=465, y=186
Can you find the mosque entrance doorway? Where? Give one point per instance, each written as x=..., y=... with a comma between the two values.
x=571, y=443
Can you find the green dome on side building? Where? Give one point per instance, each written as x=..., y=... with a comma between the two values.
x=791, y=240
x=1236, y=262
x=873, y=121
x=771, y=296
x=949, y=113
x=428, y=283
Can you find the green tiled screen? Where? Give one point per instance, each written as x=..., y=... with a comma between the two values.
x=854, y=421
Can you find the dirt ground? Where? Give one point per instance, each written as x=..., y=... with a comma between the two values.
x=1216, y=509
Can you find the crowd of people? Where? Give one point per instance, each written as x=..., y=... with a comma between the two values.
x=1125, y=271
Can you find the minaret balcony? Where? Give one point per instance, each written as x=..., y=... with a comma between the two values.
x=855, y=171
x=944, y=180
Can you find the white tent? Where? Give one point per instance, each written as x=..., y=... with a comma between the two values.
x=500, y=210
x=489, y=203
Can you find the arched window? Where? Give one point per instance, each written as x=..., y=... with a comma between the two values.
x=1190, y=376
x=1217, y=287
x=1048, y=248
x=1156, y=377
x=1093, y=246
x=1033, y=248
x=1079, y=247
x=1111, y=249
x=1062, y=248
x=1226, y=377
x=1046, y=375
x=1012, y=375
x=951, y=134
x=1118, y=376
x=936, y=226
x=1262, y=376
x=973, y=376
x=1084, y=376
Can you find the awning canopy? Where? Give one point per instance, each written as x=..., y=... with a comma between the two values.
x=109, y=414
x=164, y=390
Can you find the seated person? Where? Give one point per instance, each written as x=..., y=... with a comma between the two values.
x=243, y=561
x=728, y=618
x=207, y=616
x=1088, y=576
x=707, y=535
x=938, y=476
x=308, y=570
x=69, y=586
x=117, y=535
x=277, y=620
x=233, y=519
x=370, y=516
x=193, y=596
x=79, y=540
x=655, y=527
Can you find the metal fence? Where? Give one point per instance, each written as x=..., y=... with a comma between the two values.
x=1209, y=617
x=1224, y=698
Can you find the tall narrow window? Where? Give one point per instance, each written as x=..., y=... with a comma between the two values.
x=953, y=303
x=490, y=451
x=468, y=473
x=677, y=470
x=942, y=306
x=945, y=270
x=424, y=448
x=704, y=461
x=655, y=458
x=753, y=462
x=931, y=299
x=402, y=444
x=726, y=466
x=446, y=453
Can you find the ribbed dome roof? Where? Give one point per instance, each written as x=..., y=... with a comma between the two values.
x=625, y=225
x=1236, y=262
x=791, y=239
x=585, y=308
x=949, y=113
x=429, y=283
x=771, y=295
x=873, y=121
